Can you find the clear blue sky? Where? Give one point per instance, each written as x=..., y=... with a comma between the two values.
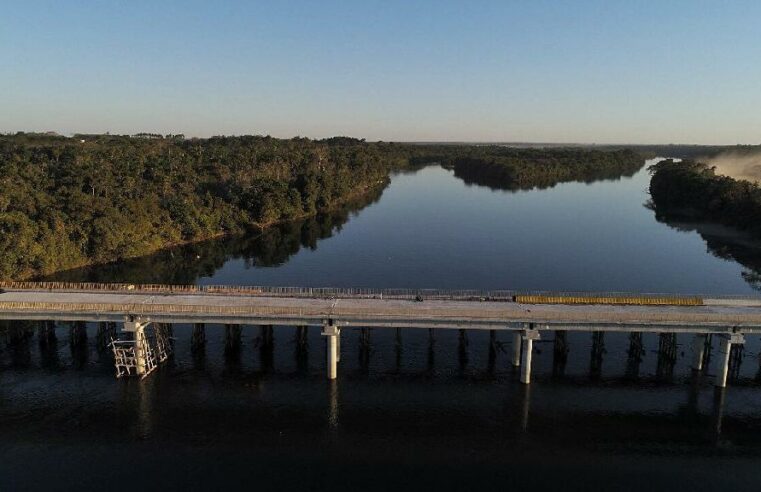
x=575, y=71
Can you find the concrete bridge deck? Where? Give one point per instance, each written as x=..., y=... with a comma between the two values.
x=526, y=315
x=713, y=315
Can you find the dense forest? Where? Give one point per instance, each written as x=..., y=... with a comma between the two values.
x=67, y=202
x=186, y=263
x=691, y=189
x=522, y=169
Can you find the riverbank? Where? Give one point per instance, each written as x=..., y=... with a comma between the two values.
x=692, y=190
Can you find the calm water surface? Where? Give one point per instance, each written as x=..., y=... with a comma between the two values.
x=442, y=412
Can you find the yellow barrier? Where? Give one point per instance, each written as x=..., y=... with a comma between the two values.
x=632, y=301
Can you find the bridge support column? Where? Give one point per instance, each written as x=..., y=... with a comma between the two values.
x=338, y=348
x=725, y=347
x=333, y=334
x=698, y=351
x=143, y=356
x=527, y=340
x=516, y=349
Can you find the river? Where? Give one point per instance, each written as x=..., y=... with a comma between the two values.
x=428, y=413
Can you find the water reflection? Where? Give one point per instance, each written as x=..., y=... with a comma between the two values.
x=232, y=350
x=634, y=355
x=722, y=242
x=333, y=404
x=80, y=350
x=559, y=354
x=48, y=345
x=301, y=343
x=266, y=344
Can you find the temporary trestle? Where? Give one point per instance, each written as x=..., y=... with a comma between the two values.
x=141, y=354
x=163, y=335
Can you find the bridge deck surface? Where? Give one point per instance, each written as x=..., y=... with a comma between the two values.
x=379, y=312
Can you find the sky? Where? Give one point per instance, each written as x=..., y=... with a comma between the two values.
x=610, y=71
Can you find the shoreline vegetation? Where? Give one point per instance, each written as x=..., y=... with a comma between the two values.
x=184, y=264
x=689, y=195
x=93, y=199
x=692, y=190
x=526, y=169
x=74, y=202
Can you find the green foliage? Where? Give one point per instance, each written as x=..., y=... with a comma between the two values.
x=66, y=202
x=691, y=188
x=520, y=169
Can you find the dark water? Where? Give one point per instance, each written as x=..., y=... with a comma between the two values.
x=442, y=413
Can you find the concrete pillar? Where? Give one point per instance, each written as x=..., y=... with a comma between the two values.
x=527, y=346
x=141, y=352
x=725, y=347
x=338, y=348
x=333, y=333
x=698, y=351
x=516, y=348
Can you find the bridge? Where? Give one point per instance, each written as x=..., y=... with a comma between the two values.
x=527, y=315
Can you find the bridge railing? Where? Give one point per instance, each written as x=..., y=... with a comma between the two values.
x=358, y=293
x=318, y=292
